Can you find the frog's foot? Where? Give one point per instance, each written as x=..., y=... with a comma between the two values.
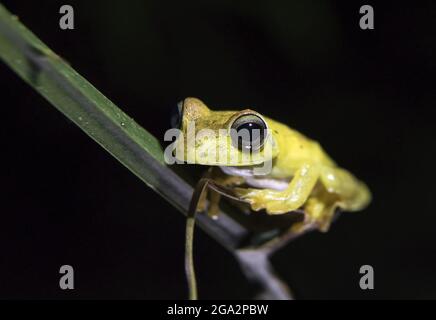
x=252, y=196
x=319, y=213
x=274, y=202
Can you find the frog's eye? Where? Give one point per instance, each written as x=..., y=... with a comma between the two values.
x=177, y=115
x=248, y=132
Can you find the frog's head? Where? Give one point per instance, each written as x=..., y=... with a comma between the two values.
x=224, y=138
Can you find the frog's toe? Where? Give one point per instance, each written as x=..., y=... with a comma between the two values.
x=252, y=196
x=276, y=207
x=245, y=194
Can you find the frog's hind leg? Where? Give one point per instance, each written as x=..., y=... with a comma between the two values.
x=352, y=194
x=337, y=189
x=319, y=212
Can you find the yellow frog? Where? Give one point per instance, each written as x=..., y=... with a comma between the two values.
x=301, y=176
x=264, y=163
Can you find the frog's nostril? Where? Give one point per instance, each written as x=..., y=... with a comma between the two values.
x=176, y=115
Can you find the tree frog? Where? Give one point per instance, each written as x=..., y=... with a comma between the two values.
x=302, y=175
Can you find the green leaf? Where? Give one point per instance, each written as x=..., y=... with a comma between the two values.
x=101, y=119
x=128, y=142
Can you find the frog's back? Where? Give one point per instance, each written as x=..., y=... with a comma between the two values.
x=295, y=149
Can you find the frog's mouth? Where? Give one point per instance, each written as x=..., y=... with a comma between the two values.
x=256, y=181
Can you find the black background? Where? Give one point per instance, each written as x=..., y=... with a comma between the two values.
x=367, y=96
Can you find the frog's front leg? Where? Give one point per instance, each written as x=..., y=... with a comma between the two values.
x=290, y=199
x=215, y=174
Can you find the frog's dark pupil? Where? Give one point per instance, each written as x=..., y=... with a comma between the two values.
x=249, y=132
x=250, y=126
x=255, y=130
